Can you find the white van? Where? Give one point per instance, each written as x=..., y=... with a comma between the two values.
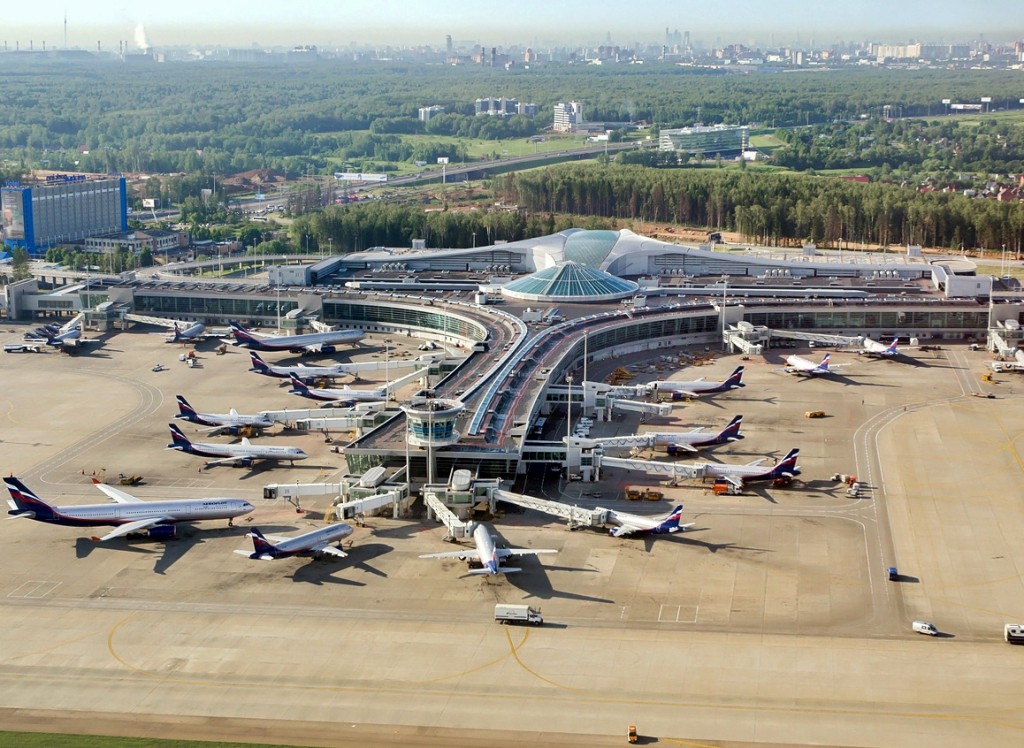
x=923, y=627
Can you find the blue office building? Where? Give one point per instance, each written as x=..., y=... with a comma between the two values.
x=65, y=208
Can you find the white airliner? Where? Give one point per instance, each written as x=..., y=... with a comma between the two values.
x=632, y=524
x=231, y=422
x=676, y=442
x=312, y=543
x=343, y=395
x=803, y=367
x=874, y=348
x=738, y=475
x=68, y=335
x=194, y=331
x=698, y=387
x=314, y=342
x=244, y=454
x=128, y=514
x=305, y=373
x=487, y=555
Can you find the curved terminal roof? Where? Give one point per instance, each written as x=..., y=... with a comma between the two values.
x=570, y=281
x=590, y=248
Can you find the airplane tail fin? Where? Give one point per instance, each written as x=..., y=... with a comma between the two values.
x=892, y=345
x=178, y=439
x=241, y=334
x=787, y=467
x=24, y=503
x=731, y=433
x=258, y=364
x=735, y=379
x=298, y=385
x=499, y=570
x=261, y=545
x=671, y=522
x=824, y=361
x=185, y=410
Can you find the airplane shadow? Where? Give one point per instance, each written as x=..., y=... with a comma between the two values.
x=318, y=573
x=361, y=554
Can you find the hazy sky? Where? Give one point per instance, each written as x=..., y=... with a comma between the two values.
x=339, y=22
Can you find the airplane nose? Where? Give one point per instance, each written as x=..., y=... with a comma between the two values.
x=247, y=506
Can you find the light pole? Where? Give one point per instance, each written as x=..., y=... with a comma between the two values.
x=725, y=288
x=387, y=378
x=279, y=309
x=568, y=412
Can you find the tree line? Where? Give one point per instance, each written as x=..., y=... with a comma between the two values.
x=770, y=208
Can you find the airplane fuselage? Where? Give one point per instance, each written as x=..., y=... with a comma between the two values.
x=297, y=342
x=308, y=543
x=241, y=452
x=170, y=511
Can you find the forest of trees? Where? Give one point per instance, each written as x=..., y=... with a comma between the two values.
x=772, y=208
x=224, y=118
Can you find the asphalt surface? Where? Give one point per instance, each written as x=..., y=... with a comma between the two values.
x=769, y=623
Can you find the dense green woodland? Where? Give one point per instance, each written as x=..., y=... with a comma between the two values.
x=223, y=118
x=771, y=207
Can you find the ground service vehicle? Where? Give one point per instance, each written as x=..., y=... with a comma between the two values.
x=891, y=574
x=923, y=627
x=517, y=614
x=1014, y=633
x=631, y=735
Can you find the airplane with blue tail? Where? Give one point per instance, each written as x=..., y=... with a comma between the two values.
x=245, y=454
x=881, y=350
x=128, y=514
x=313, y=543
x=803, y=367
x=344, y=396
x=786, y=469
x=232, y=422
x=307, y=374
x=314, y=342
x=698, y=387
x=635, y=524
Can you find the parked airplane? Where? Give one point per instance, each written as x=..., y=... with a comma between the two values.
x=190, y=333
x=230, y=422
x=754, y=471
x=269, y=547
x=487, y=555
x=874, y=348
x=128, y=514
x=344, y=396
x=305, y=373
x=631, y=524
x=692, y=441
x=68, y=335
x=244, y=454
x=698, y=387
x=803, y=367
x=314, y=342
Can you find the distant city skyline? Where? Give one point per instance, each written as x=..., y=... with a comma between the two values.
x=339, y=23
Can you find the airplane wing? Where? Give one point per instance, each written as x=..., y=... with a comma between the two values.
x=687, y=447
x=501, y=570
x=130, y=527
x=119, y=496
x=453, y=554
x=231, y=460
x=757, y=462
x=330, y=550
x=315, y=348
x=688, y=393
x=506, y=552
x=738, y=482
x=618, y=532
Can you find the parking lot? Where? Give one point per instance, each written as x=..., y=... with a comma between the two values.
x=769, y=621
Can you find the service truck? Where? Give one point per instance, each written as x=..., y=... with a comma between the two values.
x=517, y=614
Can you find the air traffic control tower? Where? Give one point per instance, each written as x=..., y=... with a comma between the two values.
x=432, y=424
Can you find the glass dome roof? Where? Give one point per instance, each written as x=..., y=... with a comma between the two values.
x=590, y=248
x=570, y=281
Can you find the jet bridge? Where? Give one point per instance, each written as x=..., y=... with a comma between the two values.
x=575, y=515
x=350, y=509
x=437, y=510
x=670, y=470
x=812, y=337
x=636, y=406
